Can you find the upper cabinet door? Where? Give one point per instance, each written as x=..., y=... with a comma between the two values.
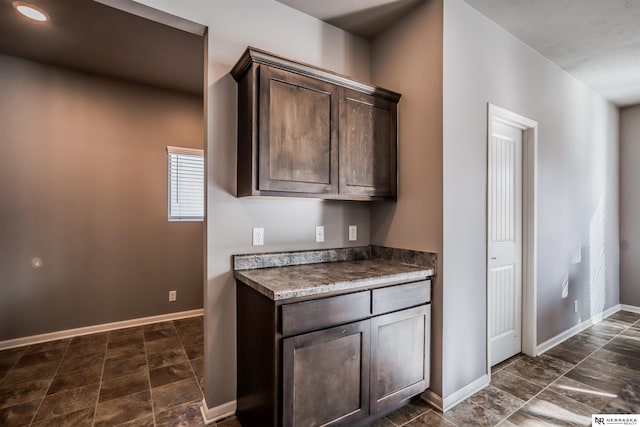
x=298, y=134
x=368, y=132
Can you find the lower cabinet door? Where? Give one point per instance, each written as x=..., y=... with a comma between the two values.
x=399, y=356
x=326, y=376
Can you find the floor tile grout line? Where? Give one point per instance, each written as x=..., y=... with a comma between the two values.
x=394, y=424
x=436, y=413
x=561, y=376
x=104, y=364
x=193, y=371
x=449, y=421
x=538, y=393
x=504, y=391
x=503, y=417
x=508, y=364
x=35, y=414
x=588, y=356
x=24, y=351
x=412, y=419
x=146, y=359
x=603, y=345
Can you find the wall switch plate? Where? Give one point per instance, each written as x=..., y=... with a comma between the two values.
x=258, y=236
x=172, y=296
x=320, y=234
x=575, y=306
x=353, y=233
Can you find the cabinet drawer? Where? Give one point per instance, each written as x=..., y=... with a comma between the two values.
x=324, y=312
x=394, y=298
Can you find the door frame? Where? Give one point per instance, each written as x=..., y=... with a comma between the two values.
x=529, y=129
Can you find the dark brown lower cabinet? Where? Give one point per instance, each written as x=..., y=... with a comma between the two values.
x=399, y=356
x=326, y=376
x=297, y=368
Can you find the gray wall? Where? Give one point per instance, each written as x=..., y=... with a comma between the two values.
x=288, y=224
x=629, y=206
x=83, y=174
x=577, y=186
x=408, y=58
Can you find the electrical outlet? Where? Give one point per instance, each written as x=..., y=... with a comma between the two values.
x=565, y=286
x=258, y=236
x=320, y=234
x=577, y=256
x=172, y=296
x=575, y=306
x=353, y=233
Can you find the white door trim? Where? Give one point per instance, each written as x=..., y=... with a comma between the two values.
x=529, y=224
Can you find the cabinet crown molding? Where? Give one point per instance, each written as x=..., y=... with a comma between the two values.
x=253, y=55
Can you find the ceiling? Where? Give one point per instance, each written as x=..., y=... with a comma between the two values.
x=597, y=41
x=364, y=18
x=91, y=37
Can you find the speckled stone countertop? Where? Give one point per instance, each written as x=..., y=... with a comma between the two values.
x=362, y=271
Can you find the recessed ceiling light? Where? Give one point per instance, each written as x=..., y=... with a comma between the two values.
x=31, y=11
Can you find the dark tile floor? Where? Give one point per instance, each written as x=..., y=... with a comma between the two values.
x=596, y=371
x=142, y=376
x=152, y=376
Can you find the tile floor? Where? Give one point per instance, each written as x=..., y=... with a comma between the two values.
x=152, y=376
x=142, y=376
x=596, y=371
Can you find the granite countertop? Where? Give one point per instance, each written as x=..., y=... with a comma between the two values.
x=303, y=280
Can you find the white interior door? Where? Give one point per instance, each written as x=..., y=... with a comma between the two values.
x=505, y=242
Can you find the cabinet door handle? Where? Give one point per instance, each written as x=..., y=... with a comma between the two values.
x=493, y=257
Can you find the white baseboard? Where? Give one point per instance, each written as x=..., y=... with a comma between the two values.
x=470, y=389
x=449, y=402
x=631, y=308
x=554, y=341
x=433, y=399
x=219, y=412
x=563, y=336
x=453, y=399
x=70, y=333
x=606, y=313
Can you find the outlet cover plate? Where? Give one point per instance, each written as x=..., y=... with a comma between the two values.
x=353, y=233
x=258, y=236
x=172, y=296
x=320, y=234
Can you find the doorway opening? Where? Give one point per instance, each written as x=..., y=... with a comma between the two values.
x=511, y=234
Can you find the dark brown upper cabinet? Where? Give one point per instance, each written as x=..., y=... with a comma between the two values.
x=307, y=132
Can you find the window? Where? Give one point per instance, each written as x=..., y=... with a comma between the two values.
x=186, y=184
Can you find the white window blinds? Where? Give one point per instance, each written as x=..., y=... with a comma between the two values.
x=186, y=184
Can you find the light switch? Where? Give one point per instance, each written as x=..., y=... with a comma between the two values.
x=319, y=234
